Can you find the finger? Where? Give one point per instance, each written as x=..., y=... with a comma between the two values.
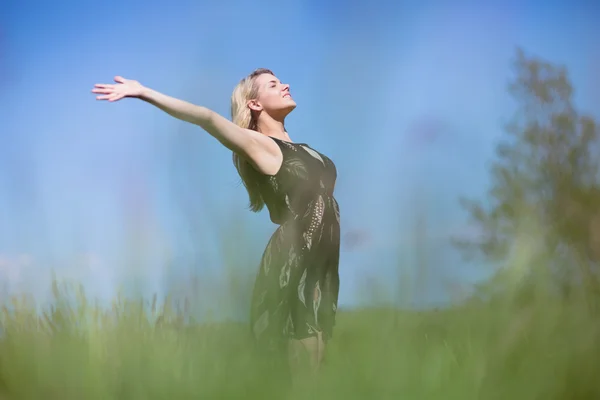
x=104, y=91
x=104, y=85
x=104, y=97
x=119, y=79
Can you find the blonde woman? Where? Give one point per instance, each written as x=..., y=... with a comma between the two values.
x=296, y=291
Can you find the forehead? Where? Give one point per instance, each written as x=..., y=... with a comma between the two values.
x=263, y=79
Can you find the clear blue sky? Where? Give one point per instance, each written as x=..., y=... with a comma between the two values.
x=407, y=100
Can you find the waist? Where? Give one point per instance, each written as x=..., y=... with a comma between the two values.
x=321, y=208
x=323, y=204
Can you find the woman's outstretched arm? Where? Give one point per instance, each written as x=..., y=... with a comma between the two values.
x=259, y=150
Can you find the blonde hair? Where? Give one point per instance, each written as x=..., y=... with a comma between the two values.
x=243, y=116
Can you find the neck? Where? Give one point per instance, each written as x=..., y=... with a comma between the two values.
x=272, y=127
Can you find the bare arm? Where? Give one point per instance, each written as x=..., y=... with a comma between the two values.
x=259, y=150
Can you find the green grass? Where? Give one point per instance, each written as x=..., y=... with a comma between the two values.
x=525, y=342
x=541, y=348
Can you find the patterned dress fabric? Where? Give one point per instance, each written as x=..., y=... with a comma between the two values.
x=296, y=291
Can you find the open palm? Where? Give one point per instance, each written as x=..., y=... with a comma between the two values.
x=113, y=92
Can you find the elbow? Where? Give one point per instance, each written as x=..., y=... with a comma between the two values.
x=204, y=118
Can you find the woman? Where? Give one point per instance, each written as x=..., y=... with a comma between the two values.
x=295, y=295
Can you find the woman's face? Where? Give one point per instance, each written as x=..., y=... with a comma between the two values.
x=273, y=97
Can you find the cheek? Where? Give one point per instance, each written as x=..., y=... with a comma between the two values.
x=270, y=100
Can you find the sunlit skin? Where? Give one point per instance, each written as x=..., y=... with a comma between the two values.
x=273, y=104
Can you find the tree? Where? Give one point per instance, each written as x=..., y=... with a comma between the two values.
x=545, y=172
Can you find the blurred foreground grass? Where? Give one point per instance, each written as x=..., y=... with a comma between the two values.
x=533, y=347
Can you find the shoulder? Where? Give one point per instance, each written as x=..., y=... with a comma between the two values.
x=266, y=154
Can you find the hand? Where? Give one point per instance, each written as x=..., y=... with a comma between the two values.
x=123, y=88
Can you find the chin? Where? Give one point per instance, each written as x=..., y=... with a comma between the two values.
x=289, y=108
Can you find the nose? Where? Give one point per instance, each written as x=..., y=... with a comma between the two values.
x=286, y=87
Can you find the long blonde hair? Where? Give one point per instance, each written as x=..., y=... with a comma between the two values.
x=243, y=116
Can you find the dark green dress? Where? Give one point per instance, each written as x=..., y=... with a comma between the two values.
x=296, y=291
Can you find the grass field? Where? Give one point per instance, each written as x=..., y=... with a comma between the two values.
x=532, y=347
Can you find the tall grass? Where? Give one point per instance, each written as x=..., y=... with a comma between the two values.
x=547, y=349
x=526, y=343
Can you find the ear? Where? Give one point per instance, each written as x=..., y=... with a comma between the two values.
x=255, y=105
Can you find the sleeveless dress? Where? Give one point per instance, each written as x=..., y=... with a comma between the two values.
x=296, y=290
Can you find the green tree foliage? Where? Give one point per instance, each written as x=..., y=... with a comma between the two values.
x=545, y=172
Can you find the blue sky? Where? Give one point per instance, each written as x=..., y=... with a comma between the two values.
x=407, y=100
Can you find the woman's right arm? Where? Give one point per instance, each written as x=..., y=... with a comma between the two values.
x=259, y=150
